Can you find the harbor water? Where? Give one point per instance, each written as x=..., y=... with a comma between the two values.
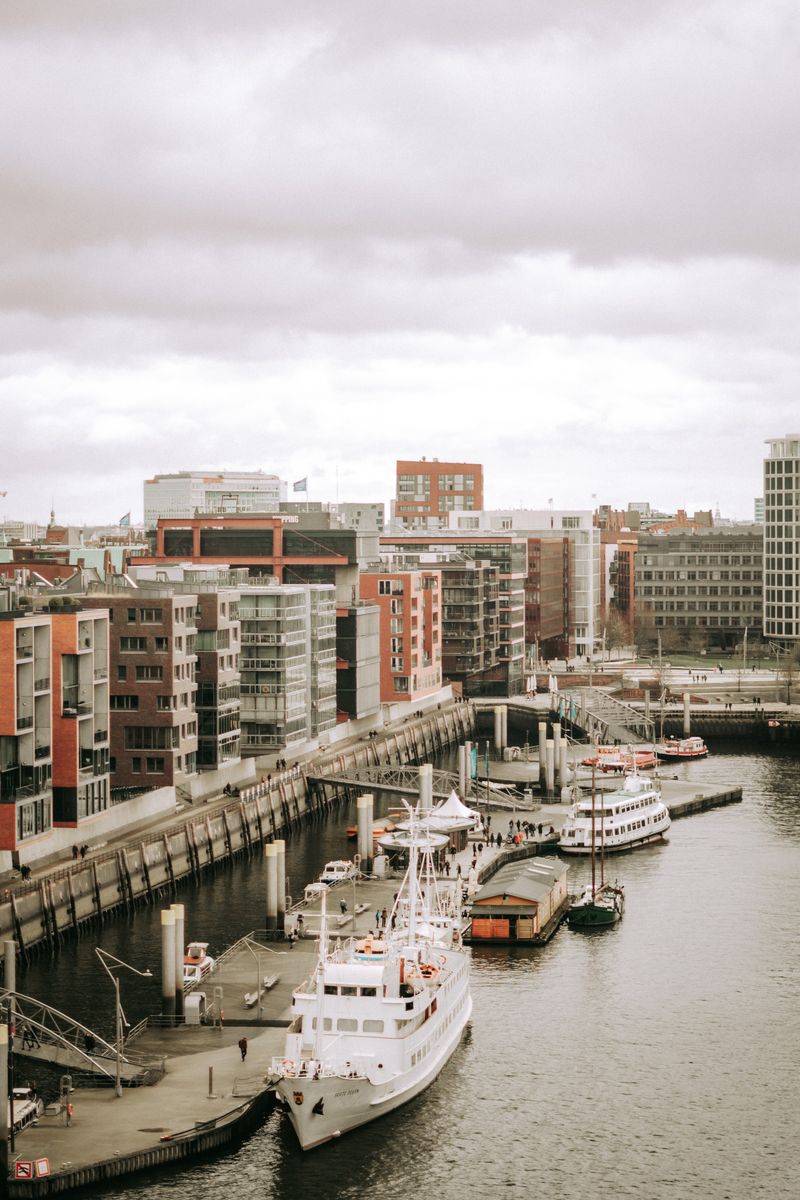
x=657, y=1059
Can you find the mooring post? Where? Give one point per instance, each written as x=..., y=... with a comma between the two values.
x=687, y=714
x=167, y=962
x=179, y=914
x=271, y=864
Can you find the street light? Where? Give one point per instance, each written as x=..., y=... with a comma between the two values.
x=106, y=959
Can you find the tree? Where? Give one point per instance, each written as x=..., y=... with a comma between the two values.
x=617, y=630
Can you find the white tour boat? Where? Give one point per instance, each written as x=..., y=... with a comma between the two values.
x=632, y=816
x=197, y=963
x=378, y=1020
x=28, y=1107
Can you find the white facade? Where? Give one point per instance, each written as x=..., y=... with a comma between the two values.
x=585, y=631
x=782, y=538
x=287, y=665
x=187, y=493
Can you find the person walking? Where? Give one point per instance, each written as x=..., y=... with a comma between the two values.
x=243, y=1047
x=384, y=919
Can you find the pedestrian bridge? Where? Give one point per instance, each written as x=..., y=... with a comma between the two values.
x=404, y=781
x=42, y=1032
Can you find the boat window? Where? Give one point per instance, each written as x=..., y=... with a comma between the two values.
x=347, y=1025
x=373, y=1027
x=368, y=991
x=330, y=990
x=327, y=1024
x=349, y=991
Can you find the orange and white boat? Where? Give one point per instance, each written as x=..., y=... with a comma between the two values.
x=681, y=749
x=621, y=758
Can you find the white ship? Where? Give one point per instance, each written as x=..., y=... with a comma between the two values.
x=631, y=816
x=379, y=1018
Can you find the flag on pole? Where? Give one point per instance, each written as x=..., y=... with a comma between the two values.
x=301, y=485
x=126, y=520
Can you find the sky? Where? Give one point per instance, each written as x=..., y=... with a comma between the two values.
x=558, y=237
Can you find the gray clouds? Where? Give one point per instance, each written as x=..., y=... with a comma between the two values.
x=581, y=211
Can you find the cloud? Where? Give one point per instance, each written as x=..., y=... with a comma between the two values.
x=276, y=235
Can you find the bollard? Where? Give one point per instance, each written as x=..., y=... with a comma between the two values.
x=364, y=806
x=550, y=768
x=167, y=962
x=556, y=754
x=498, y=729
x=425, y=786
x=271, y=862
x=543, y=755
x=687, y=714
x=462, y=771
x=280, y=879
x=179, y=913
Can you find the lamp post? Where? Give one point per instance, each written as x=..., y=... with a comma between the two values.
x=109, y=961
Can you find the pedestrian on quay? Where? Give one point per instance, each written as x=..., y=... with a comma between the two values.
x=378, y=917
x=74, y=853
x=343, y=906
x=243, y=1047
x=84, y=851
x=384, y=918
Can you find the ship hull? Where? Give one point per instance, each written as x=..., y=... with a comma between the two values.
x=615, y=848
x=327, y=1108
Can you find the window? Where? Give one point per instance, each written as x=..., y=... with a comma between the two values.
x=151, y=616
x=123, y=703
x=131, y=615
x=149, y=672
x=346, y=1025
x=401, y=683
x=155, y=766
x=132, y=645
x=373, y=1027
x=384, y=587
x=136, y=765
x=162, y=645
x=122, y=673
x=165, y=703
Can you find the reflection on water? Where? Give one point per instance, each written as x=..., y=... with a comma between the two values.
x=656, y=1060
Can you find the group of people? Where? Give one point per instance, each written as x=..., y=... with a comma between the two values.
x=78, y=851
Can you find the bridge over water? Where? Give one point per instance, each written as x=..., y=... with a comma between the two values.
x=404, y=781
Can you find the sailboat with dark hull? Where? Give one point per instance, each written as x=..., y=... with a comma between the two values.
x=598, y=906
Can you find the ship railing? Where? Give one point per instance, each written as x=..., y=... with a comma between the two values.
x=312, y=1068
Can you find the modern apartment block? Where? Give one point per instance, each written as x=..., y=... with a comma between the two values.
x=153, y=685
x=287, y=698
x=547, y=597
x=428, y=490
x=26, y=727
x=294, y=548
x=470, y=624
x=358, y=661
x=80, y=689
x=782, y=539
x=187, y=493
x=411, y=630
x=508, y=553
x=707, y=583
x=585, y=602
x=218, y=698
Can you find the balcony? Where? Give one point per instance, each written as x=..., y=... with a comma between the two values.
x=42, y=752
x=101, y=735
x=24, y=722
x=100, y=674
x=41, y=685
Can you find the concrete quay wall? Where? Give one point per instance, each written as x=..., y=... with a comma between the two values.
x=59, y=903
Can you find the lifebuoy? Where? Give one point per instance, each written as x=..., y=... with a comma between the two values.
x=287, y=1065
x=442, y=959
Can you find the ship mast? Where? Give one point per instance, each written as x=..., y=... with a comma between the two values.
x=323, y=954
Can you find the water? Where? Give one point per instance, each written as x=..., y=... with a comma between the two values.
x=657, y=1059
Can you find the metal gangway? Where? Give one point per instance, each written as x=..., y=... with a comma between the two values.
x=44, y=1033
x=603, y=717
x=404, y=781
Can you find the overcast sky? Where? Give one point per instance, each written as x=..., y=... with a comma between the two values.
x=560, y=238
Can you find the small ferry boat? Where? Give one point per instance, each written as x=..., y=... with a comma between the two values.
x=631, y=816
x=337, y=871
x=27, y=1108
x=376, y=1022
x=380, y=826
x=681, y=749
x=197, y=963
x=621, y=758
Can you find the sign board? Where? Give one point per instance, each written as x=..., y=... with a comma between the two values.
x=23, y=1170
x=42, y=1167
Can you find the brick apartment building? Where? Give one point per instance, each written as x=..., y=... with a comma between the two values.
x=427, y=490
x=153, y=683
x=410, y=630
